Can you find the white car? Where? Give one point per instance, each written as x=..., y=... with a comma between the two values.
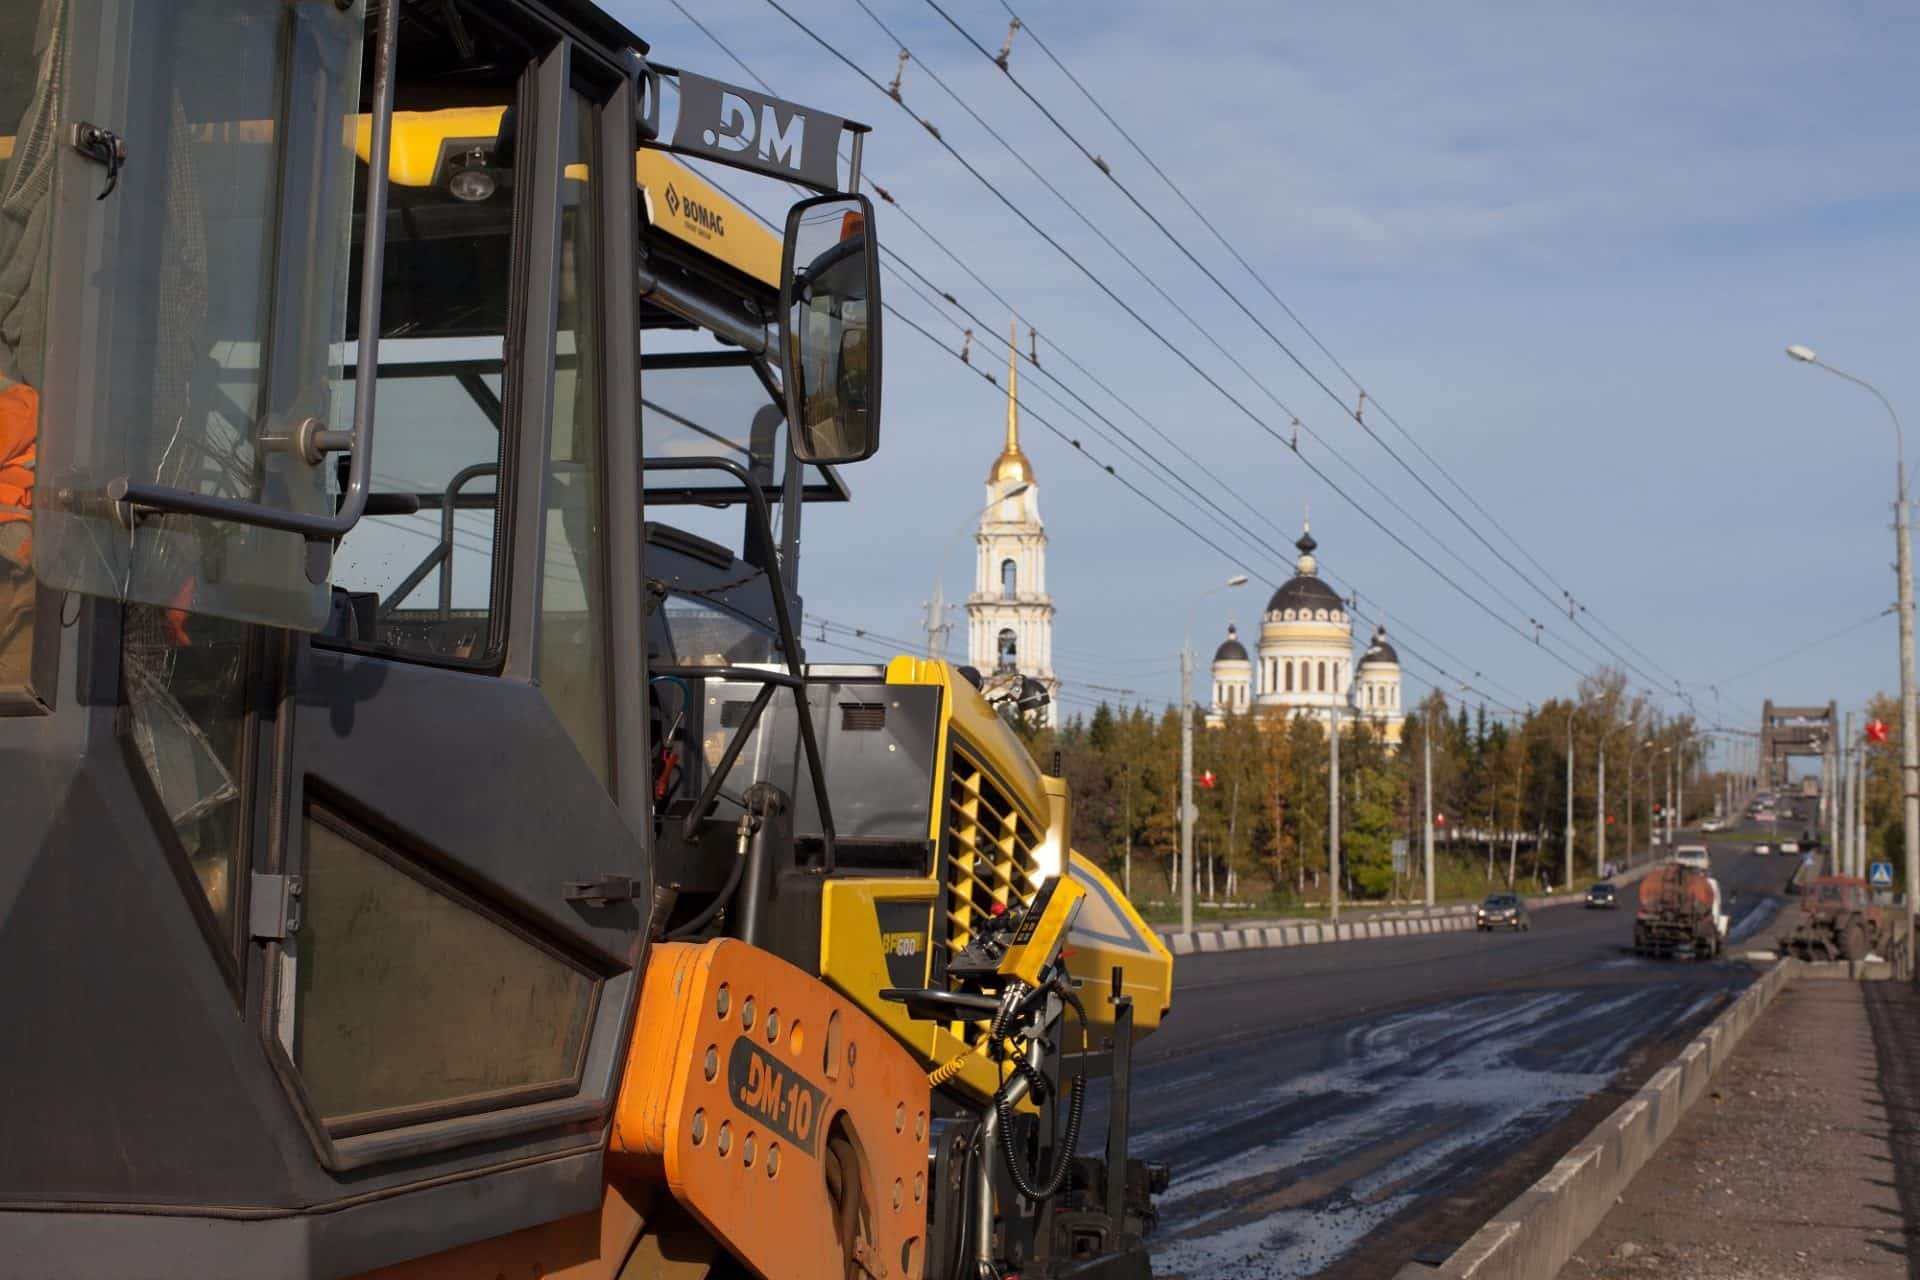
x=1789, y=846
x=1692, y=855
x=1763, y=849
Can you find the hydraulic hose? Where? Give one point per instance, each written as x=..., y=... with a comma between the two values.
x=725, y=896
x=1037, y=1084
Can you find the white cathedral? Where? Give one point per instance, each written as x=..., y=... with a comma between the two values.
x=1010, y=614
x=1306, y=665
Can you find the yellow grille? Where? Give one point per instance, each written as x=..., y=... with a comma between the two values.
x=990, y=857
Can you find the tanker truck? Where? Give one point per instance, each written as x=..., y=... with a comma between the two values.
x=1680, y=913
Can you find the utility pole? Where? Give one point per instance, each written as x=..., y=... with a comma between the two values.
x=1600, y=814
x=1830, y=799
x=1333, y=816
x=1846, y=800
x=1909, y=739
x=1858, y=847
x=1566, y=881
x=1668, y=824
x=1187, y=811
x=1186, y=787
x=1426, y=722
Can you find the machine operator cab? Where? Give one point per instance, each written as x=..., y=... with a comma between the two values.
x=325, y=409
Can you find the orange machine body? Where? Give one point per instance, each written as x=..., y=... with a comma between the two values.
x=785, y=1120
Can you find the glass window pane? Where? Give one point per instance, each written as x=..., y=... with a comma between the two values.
x=409, y=997
x=573, y=597
x=443, y=315
x=187, y=707
x=29, y=104
x=220, y=284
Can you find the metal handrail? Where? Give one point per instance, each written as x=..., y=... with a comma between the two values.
x=795, y=677
x=442, y=552
x=312, y=437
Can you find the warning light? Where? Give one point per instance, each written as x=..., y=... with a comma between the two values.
x=997, y=909
x=1207, y=779
x=1609, y=819
x=1876, y=730
x=1439, y=819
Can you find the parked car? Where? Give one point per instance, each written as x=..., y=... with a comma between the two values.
x=1502, y=911
x=1789, y=846
x=1763, y=848
x=1602, y=896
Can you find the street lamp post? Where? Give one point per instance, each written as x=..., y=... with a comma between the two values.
x=937, y=625
x=1848, y=782
x=1426, y=836
x=1600, y=809
x=1903, y=537
x=1567, y=877
x=1666, y=825
x=1187, y=813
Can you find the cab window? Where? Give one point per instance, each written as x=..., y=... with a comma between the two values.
x=28, y=105
x=419, y=576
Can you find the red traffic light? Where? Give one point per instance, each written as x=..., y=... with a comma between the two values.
x=1439, y=819
x=1609, y=819
x=1207, y=780
x=1876, y=730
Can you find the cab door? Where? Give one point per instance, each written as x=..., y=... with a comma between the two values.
x=459, y=896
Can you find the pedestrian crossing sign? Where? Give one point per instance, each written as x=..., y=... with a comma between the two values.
x=1880, y=875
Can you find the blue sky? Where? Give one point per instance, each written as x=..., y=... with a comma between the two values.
x=1563, y=245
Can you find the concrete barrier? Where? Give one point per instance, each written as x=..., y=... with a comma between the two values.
x=1532, y=1238
x=1374, y=922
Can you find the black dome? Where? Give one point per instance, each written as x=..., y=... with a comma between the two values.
x=1232, y=650
x=1305, y=592
x=1380, y=650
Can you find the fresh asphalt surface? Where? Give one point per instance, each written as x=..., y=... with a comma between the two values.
x=1324, y=1106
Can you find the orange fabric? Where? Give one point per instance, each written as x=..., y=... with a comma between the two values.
x=176, y=617
x=19, y=433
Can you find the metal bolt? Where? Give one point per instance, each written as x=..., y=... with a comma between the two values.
x=746, y=1151
x=724, y=1142
x=746, y=1013
x=723, y=1001
x=713, y=1061
x=773, y=1025
x=699, y=1127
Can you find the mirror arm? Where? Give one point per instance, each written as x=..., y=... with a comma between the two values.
x=783, y=625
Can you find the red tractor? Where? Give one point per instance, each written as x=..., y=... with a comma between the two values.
x=1838, y=921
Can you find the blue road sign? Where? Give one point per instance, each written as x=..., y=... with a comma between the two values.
x=1880, y=875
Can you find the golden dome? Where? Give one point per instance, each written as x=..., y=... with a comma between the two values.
x=1012, y=466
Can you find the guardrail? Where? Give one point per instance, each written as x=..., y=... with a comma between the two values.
x=1367, y=923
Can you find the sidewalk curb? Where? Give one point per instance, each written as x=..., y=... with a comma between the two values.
x=1533, y=1237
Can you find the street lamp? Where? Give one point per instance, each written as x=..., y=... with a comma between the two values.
x=1633, y=753
x=1909, y=741
x=937, y=625
x=1187, y=812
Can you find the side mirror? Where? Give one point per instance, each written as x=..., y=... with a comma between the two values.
x=830, y=329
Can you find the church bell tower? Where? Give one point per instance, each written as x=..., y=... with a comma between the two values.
x=1010, y=614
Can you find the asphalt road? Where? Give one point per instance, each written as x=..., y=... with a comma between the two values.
x=1331, y=1110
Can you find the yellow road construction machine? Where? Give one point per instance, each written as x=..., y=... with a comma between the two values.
x=426, y=850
